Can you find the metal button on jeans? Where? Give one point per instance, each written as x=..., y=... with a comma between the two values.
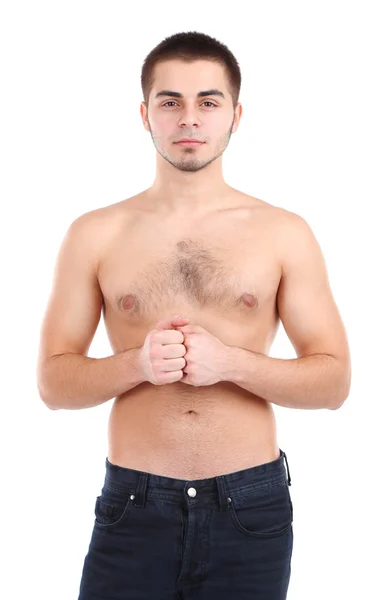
x=192, y=492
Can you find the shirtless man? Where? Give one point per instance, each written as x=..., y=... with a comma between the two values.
x=192, y=277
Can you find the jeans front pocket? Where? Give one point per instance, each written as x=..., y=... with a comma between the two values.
x=112, y=507
x=264, y=512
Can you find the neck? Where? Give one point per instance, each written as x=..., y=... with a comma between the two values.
x=186, y=193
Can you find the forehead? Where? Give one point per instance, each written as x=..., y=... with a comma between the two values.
x=188, y=78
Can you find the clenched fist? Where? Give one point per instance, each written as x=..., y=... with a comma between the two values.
x=161, y=357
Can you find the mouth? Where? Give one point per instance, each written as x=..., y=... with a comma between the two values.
x=189, y=143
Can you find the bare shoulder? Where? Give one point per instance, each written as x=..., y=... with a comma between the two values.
x=281, y=218
x=293, y=238
x=110, y=213
x=95, y=229
x=292, y=233
x=288, y=233
x=101, y=221
x=291, y=226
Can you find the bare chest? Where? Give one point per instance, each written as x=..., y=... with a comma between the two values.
x=223, y=273
x=225, y=265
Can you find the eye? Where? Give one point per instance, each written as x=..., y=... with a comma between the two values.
x=173, y=102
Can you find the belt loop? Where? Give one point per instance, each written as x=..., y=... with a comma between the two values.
x=140, y=493
x=287, y=466
x=222, y=491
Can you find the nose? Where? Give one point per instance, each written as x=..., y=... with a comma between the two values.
x=189, y=117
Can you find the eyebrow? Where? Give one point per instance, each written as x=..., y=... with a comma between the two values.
x=212, y=92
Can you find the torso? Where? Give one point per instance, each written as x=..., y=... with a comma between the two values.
x=223, y=273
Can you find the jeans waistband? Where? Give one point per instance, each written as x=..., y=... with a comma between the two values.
x=195, y=490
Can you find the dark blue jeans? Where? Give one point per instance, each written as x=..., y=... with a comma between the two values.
x=160, y=538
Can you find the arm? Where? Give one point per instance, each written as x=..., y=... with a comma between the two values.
x=317, y=381
x=320, y=377
x=73, y=381
x=66, y=376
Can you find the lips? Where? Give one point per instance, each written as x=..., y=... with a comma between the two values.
x=196, y=142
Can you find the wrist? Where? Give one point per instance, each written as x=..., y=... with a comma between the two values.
x=138, y=375
x=232, y=369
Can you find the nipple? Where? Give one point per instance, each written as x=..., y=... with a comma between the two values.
x=128, y=301
x=249, y=300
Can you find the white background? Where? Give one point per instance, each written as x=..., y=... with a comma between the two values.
x=71, y=141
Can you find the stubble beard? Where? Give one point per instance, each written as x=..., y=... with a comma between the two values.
x=189, y=161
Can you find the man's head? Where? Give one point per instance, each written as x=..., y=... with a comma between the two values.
x=174, y=76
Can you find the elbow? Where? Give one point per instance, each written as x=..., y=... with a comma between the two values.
x=47, y=401
x=45, y=397
x=43, y=387
x=343, y=386
x=50, y=406
x=339, y=402
x=336, y=406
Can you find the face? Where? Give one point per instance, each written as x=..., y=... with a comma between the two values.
x=170, y=118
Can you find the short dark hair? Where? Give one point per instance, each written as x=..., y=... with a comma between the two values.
x=191, y=46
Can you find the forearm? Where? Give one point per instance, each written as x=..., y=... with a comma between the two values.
x=309, y=382
x=73, y=381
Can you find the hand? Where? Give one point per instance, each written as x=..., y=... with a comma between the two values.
x=206, y=356
x=161, y=357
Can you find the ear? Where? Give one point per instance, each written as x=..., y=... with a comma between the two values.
x=144, y=115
